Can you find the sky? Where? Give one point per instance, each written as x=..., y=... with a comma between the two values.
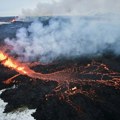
x=14, y=7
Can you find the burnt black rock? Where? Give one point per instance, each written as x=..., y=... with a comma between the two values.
x=55, y=109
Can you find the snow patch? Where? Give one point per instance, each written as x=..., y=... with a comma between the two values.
x=16, y=115
x=4, y=23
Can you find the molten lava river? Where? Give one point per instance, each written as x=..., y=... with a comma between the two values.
x=65, y=90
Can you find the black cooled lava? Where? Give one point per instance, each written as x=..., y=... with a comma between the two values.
x=88, y=97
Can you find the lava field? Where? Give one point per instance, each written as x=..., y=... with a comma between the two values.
x=91, y=91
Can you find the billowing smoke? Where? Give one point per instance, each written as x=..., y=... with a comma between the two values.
x=68, y=37
x=73, y=7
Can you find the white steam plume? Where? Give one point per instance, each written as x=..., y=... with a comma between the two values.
x=67, y=36
x=73, y=7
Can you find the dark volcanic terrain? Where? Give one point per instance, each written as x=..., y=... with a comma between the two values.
x=90, y=92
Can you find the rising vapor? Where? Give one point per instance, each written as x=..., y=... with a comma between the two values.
x=73, y=7
x=68, y=37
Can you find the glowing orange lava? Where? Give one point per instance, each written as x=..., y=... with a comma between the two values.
x=13, y=64
x=25, y=70
x=21, y=68
x=2, y=56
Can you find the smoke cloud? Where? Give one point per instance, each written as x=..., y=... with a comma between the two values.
x=68, y=37
x=73, y=7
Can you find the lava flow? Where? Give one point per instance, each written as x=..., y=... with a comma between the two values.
x=98, y=72
x=85, y=83
x=23, y=69
x=15, y=65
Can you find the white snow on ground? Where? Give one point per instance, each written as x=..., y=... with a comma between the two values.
x=4, y=23
x=19, y=114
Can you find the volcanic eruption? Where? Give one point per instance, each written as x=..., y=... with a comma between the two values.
x=65, y=67
x=70, y=83
x=23, y=69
